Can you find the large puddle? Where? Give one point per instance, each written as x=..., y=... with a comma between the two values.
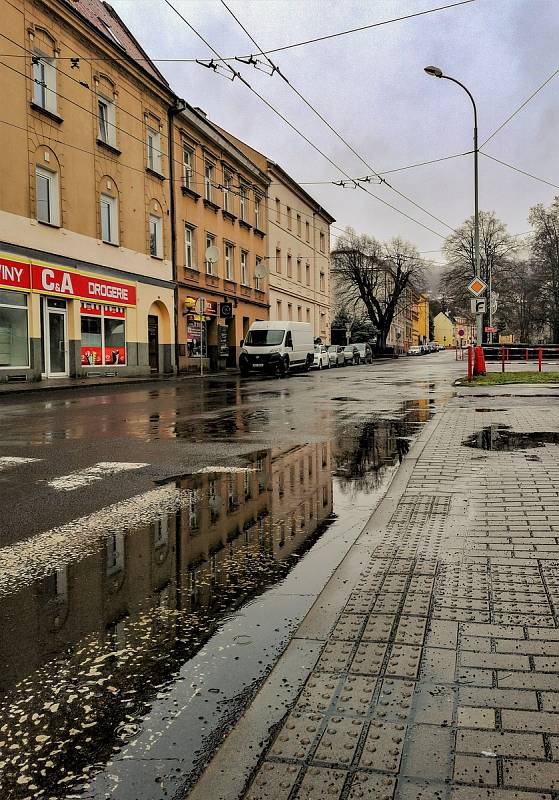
x=122, y=670
x=501, y=437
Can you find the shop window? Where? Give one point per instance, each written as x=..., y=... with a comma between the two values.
x=190, y=247
x=257, y=202
x=154, y=150
x=44, y=82
x=47, y=202
x=106, y=117
x=103, y=335
x=244, y=268
x=109, y=219
x=155, y=236
x=229, y=266
x=258, y=274
x=187, y=166
x=14, y=347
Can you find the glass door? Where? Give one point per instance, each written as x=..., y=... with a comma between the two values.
x=56, y=341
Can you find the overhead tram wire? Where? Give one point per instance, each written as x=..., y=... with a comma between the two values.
x=243, y=80
x=521, y=171
x=315, y=111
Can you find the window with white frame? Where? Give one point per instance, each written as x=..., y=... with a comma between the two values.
x=208, y=181
x=187, y=166
x=155, y=236
x=257, y=201
x=190, y=246
x=44, y=83
x=258, y=277
x=243, y=203
x=154, y=149
x=229, y=255
x=210, y=242
x=47, y=200
x=244, y=268
x=14, y=342
x=227, y=199
x=106, y=118
x=109, y=219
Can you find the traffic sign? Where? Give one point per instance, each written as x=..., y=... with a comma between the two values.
x=478, y=306
x=477, y=287
x=490, y=329
x=461, y=332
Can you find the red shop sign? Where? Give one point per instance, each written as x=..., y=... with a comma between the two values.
x=66, y=283
x=14, y=274
x=210, y=307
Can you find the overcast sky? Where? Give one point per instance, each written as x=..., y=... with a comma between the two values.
x=371, y=87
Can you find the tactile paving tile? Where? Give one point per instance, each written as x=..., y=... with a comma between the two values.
x=425, y=567
x=348, y=627
x=387, y=603
x=273, y=781
x=404, y=661
x=395, y=583
x=411, y=630
x=421, y=583
x=335, y=657
x=339, y=741
x=395, y=699
x=356, y=694
x=378, y=628
x=368, y=786
x=383, y=746
x=317, y=693
x=368, y=658
x=417, y=604
x=320, y=783
x=297, y=735
x=360, y=603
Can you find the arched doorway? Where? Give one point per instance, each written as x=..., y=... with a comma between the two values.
x=159, y=338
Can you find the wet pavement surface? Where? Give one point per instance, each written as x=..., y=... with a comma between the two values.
x=160, y=545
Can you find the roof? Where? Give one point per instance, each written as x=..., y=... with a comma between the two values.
x=104, y=18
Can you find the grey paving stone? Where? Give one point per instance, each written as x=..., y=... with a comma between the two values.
x=339, y=741
x=320, y=783
x=273, y=781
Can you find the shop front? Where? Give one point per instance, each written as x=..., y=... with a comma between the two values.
x=206, y=322
x=59, y=322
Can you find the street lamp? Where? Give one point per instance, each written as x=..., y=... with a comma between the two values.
x=436, y=72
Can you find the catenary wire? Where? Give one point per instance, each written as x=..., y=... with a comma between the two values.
x=521, y=171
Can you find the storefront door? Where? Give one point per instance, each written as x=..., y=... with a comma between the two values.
x=56, y=343
x=153, y=343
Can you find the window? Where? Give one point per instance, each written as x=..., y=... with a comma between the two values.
x=278, y=309
x=103, y=335
x=154, y=150
x=299, y=273
x=322, y=242
x=14, y=350
x=190, y=247
x=308, y=274
x=109, y=219
x=308, y=315
x=321, y=281
x=210, y=242
x=187, y=166
x=278, y=260
x=288, y=218
x=322, y=322
x=307, y=231
x=278, y=210
x=257, y=212
x=208, y=181
x=298, y=224
x=227, y=181
x=229, y=262
x=258, y=274
x=289, y=311
x=47, y=196
x=155, y=236
x=243, y=201
x=289, y=266
x=106, y=117
x=44, y=83
x=299, y=314
x=244, y=268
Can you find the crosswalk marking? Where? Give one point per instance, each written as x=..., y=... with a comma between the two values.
x=14, y=461
x=85, y=477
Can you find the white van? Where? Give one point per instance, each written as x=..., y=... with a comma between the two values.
x=277, y=347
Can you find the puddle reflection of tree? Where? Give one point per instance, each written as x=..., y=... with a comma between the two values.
x=361, y=460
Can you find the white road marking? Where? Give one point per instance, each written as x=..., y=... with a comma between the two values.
x=205, y=470
x=85, y=477
x=43, y=554
x=14, y=461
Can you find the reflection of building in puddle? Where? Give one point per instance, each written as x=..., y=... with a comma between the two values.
x=86, y=650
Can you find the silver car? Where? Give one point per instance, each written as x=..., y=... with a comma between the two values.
x=336, y=355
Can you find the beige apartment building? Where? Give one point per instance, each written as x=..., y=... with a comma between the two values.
x=298, y=249
x=86, y=278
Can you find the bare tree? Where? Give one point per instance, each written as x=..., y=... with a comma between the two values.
x=376, y=276
x=545, y=249
x=521, y=311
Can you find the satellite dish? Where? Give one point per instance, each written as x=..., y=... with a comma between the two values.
x=260, y=271
x=212, y=254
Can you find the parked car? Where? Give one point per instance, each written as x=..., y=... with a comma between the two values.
x=415, y=350
x=336, y=355
x=364, y=354
x=277, y=346
x=321, y=358
x=349, y=354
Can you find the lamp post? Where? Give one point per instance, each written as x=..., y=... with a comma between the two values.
x=436, y=72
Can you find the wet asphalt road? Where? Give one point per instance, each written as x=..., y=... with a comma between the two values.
x=142, y=609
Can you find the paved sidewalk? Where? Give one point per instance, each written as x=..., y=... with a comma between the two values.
x=428, y=667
